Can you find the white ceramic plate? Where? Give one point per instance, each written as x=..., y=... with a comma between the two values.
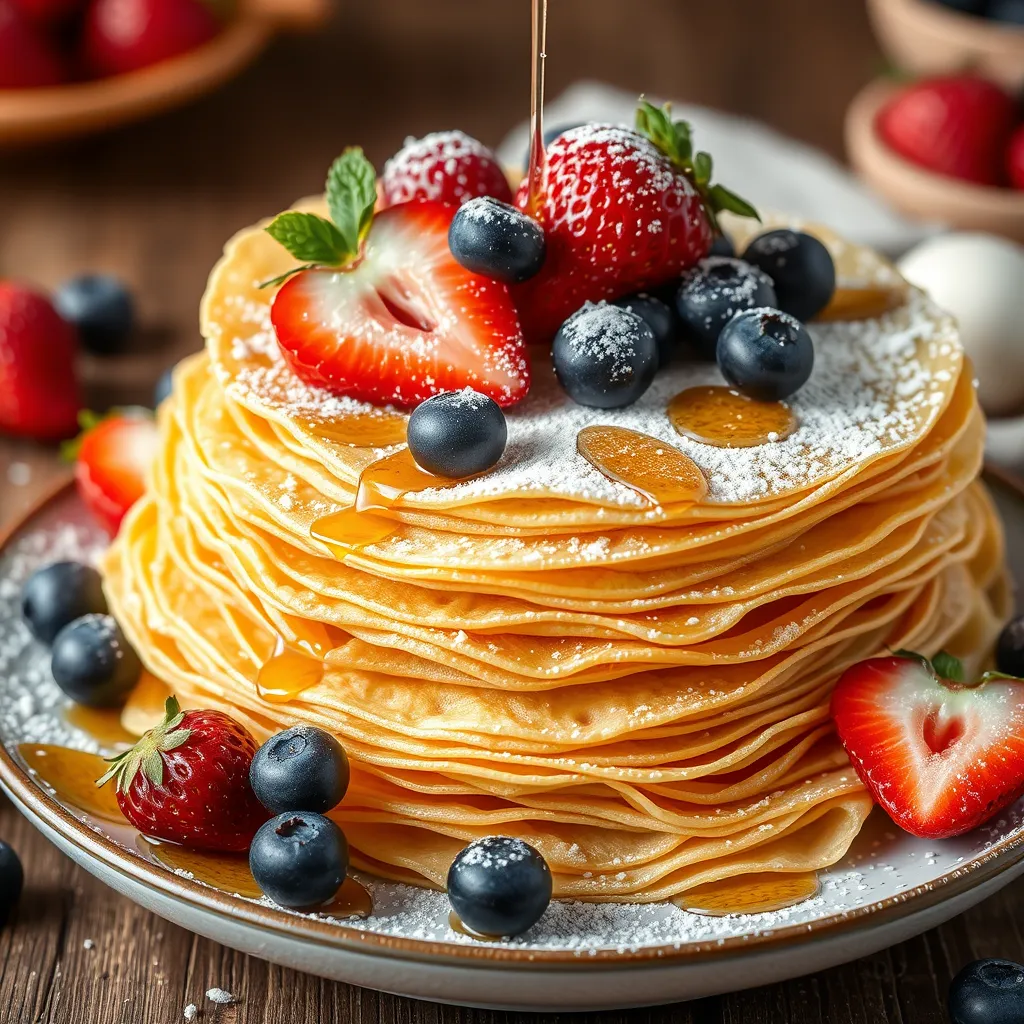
x=580, y=956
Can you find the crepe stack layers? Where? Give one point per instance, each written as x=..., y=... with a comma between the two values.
x=640, y=690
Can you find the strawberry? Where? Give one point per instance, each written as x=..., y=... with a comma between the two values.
x=39, y=395
x=958, y=126
x=623, y=211
x=381, y=311
x=47, y=12
x=112, y=458
x=187, y=781
x=124, y=35
x=941, y=756
x=28, y=59
x=1015, y=158
x=450, y=167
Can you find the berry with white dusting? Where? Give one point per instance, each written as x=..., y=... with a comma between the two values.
x=494, y=239
x=499, y=886
x=713, y=292
x=302, y=768
x=800, y=267
x=605, y=356
x=299, y=859
x=57, y=595
x=661, y=320
x=458, y=434
x=93, y=663
x=766, y=354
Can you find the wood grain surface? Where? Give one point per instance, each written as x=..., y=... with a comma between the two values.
x=155, y=203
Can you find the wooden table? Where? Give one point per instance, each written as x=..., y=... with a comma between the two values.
x=155, y=203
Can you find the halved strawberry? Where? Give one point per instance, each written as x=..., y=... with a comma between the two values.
x=383, y=313
x=941, y=756
x=112, y=459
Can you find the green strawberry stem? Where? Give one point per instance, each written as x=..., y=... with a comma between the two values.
x=351, y=192
x=949, y=669
x=673, y=138
x=146, y=754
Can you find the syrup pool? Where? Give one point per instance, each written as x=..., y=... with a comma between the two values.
x=288, y=672
x=727, y=419
x=104, y=725
x=71, y=776
x=750, y=894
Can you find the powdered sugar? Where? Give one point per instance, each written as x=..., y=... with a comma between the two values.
x=604, y=336
x=422, y=166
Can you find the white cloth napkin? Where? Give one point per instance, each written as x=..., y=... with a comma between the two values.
x=772, y=171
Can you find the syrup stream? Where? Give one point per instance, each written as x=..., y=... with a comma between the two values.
x=538, y=57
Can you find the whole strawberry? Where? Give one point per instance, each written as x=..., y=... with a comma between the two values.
x=187, y=781
x=622, y=211
x=958, y=126
x=39, y=395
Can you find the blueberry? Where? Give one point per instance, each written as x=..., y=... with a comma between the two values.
x=766, y=354
x=93, y=663
x=988, y=992
x=299, y=859
x=59, y=594
x=496, y=240
x=301, y=768
x=800, y=267
x=457, y=434
x=12, y=879
x=1010, y=648
x=722, y=245
x=163, y=388
x=658, y=317
x=499, y=886
x=102, y=310
x=605, y=356
x=1010, y=12
x=713, y=292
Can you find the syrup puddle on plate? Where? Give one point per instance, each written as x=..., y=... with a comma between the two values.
x=71, y=775
x=654, y=468
x=288, y=672
x=456, y=925
x=863, y=303
x=727, y=419
x=749, y=894
x=102, y=724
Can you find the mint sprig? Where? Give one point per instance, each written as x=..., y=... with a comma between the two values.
x=674, y=139
x=320, y=243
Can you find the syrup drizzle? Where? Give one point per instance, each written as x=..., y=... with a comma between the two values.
x=289, y=670
x=657, y=470
x=71, y=775
x=535, y=173
x=379, y=429
x=759, y=893
x=727, y=419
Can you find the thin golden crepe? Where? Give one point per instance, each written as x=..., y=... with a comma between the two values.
x=639, y=691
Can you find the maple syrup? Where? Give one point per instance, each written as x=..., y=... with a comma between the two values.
x=145, y=705
x=660, y=472
x=379, y=429
x=727, y=419
x=749, y=894
x=863, y=303
x=456, y=924
x=101, y=724
x=535, y=171
x=71, y=775
x=288, y=671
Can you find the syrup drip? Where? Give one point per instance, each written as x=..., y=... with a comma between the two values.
x=725, y=418
x=660, y=472
x=229, y=872
x=71, y=775
x=379, y=429
x=456, y=925
x=535, y=173
x=863, y=303
x=145, y=705
x=288, y=671
x=381, y=485
x=749, y=894
x=101, y=724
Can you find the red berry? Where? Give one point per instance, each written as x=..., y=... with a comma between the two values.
x=39, y=395
x=28, y=59
x=187, y=781
x=125, y=35
x=957, y=126
x=1015, y=158
x=619, y=217
x=114, y=458
x=405, y=321
x=48, y=12
x=940, y=757
x=447, y=166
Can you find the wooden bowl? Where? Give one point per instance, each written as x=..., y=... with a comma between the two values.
x=920, y=192
x=926, y=38
x=37, y=115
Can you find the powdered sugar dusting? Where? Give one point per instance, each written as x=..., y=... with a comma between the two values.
x=422, y=166
x=605, y=335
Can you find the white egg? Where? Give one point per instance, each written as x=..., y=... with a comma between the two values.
x=980, y=280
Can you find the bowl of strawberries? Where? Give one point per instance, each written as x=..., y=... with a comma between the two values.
x=70, y=67
x=949, y=149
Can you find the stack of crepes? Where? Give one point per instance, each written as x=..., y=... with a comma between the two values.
x=641, y=692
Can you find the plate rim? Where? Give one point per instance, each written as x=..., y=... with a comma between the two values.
x=33, y=801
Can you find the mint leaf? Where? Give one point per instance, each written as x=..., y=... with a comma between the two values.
x=310, y=238
x=948, y=667
x=351, y=197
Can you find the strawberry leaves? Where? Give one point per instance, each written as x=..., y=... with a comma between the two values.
x=351, y=192
x=950, y=670
x=145, y=756
x=674, y=139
